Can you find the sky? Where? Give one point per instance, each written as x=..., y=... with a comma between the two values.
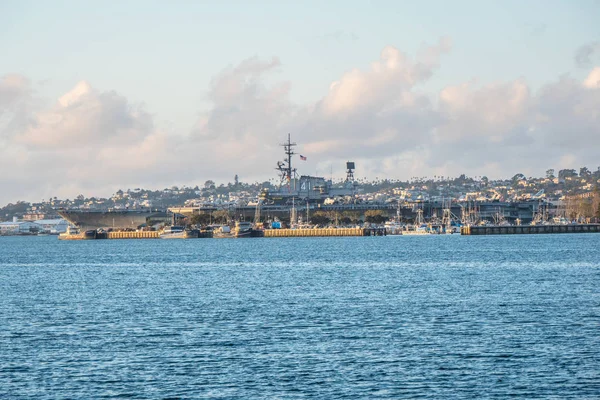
x=97, y=96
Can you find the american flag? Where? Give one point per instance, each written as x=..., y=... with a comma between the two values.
x=302, y=157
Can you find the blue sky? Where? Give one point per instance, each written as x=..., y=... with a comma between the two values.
x=161, y=72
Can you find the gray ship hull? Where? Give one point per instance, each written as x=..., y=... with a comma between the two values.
x=113, y=219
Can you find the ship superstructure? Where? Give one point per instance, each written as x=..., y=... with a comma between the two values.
x=306, y=188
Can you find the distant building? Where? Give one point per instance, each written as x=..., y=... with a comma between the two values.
x=33, y=216
x=16, y=227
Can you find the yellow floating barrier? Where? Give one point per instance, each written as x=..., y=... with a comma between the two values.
x=133, y=235
x=315, y=232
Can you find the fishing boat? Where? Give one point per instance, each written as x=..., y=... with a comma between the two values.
x=419, y=227
x=242, y=229
x=394, y=226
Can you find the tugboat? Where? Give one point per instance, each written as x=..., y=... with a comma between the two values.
x=73, y=233
x=243, y=229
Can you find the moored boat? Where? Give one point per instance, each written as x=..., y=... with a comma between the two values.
x=73, y=233
x=178, y=232
x=243, y=229
x=393, y=227
x=417, y=230
x=221, y=231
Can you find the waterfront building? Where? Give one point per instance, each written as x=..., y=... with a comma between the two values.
x=16, y=227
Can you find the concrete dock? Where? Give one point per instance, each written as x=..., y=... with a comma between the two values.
x=528, y=229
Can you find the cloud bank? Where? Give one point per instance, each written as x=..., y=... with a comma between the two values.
x=94, y=142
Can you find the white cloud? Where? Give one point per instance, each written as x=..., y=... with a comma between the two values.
x=374, y=113
x=509, y=126
x=492, y=112
x=387, y=81
x=593, y=79
x=64, y=146
x=84, y=117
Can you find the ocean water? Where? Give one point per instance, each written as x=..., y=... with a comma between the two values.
x=435, y=317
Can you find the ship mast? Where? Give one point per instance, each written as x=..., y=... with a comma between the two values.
x=286, y=172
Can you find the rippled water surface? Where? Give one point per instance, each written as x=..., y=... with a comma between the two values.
x=377, y=317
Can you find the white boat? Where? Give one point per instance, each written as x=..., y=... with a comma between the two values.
x=417, y=230
x=452, y=229
x=221, y=231
x=393, y=227
x=176, y=232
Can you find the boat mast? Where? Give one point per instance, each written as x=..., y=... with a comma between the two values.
x=447, y=216
x=293, y=216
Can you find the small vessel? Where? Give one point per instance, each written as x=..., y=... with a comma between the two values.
x=417, y=230
x=221, y=231
x=242, y=229
x=449, y=225
x=177, y=232
x=419, y=227
x=452, y=229
x=73, y=233
x=393, y=227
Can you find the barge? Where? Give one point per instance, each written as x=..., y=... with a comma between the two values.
x=529, y=229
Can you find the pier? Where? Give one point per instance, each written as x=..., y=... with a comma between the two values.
x=528, y=229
